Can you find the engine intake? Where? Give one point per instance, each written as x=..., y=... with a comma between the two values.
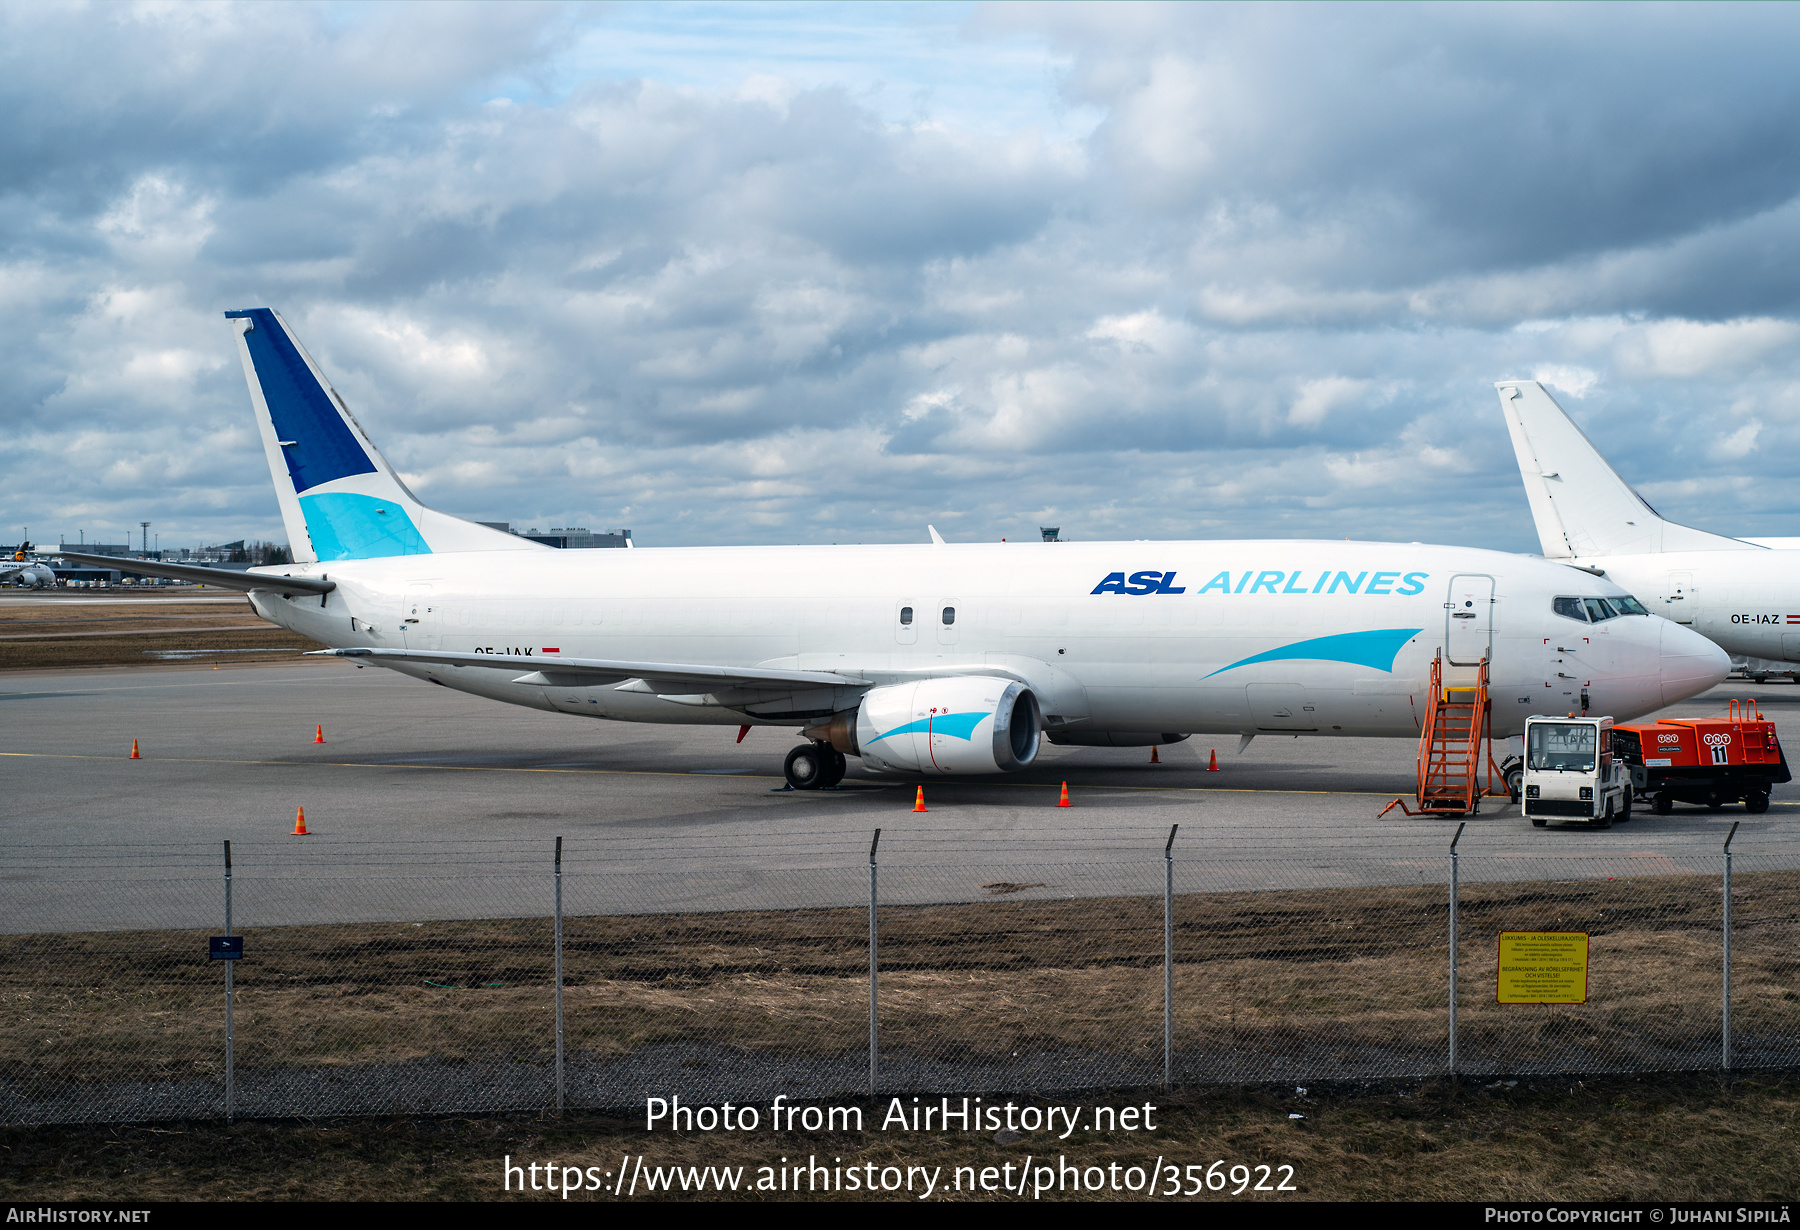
x=960, y=725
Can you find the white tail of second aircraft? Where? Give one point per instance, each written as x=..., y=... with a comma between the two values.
x=1580, y=504
x=339, y=497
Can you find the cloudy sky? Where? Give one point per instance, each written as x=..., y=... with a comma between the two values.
x=825, y=273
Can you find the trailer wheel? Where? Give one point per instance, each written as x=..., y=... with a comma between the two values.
x=1663, y=803
x=1756, y=804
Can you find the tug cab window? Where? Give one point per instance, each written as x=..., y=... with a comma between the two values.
x=1561, y=746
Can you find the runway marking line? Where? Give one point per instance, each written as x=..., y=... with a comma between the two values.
x=478, y=768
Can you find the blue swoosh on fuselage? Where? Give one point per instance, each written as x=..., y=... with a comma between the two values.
x=956, y=725
x=1376, y=650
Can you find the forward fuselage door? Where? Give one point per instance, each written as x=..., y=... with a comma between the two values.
x=1469, y=620
x=418, y=619
x=1680, y=602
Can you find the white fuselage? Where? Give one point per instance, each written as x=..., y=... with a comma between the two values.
x=1746, y=602
x=1163, y=646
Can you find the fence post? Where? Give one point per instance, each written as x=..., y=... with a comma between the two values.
x=1725, y=1007
x=1455, y=885
x=873, y=1052
x=559, y=980
x=230, y=994
x=1169, y=959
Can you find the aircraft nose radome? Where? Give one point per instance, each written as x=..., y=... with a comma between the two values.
x=1690, y=664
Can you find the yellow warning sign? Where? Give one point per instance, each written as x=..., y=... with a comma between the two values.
x=1543, y=967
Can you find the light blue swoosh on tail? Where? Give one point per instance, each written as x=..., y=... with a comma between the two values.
x=343, y=525
x=1376, y=650
x=956, y=725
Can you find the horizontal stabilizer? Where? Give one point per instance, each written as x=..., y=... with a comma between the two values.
x=224, y=578
x=672, y=677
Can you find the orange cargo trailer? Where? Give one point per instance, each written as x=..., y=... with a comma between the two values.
x=1706, y=761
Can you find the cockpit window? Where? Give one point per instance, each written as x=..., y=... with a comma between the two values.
x=1597, y=610
x=1558, y=745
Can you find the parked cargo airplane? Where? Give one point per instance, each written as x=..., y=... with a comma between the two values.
x=931, y=659
x=1741, y=593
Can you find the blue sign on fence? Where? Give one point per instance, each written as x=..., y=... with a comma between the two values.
x=225, y=947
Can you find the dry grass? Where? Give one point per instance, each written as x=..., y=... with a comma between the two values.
x=65, y=632
x=1355, y=974
x=1662, y=1139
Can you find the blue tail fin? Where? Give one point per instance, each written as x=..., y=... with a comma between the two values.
x=339, y=497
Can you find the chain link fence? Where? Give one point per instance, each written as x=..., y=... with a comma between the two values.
x=377, y=981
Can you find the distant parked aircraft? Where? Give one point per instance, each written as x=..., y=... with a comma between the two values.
x=1742, y=594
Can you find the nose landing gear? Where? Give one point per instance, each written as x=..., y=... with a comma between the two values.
x=814, y=766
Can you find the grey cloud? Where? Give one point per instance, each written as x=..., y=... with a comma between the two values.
x=1268, y=294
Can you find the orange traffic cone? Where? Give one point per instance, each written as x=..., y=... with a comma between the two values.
x=320, y=737
x=300, y=824
x=1064, y=801
x=1212, y=765
x=1154, y=758
x=919, y=803
x=134, y=752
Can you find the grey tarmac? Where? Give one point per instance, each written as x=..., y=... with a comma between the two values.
x=427, y=803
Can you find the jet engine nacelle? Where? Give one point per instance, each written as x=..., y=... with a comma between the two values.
x=965, y=724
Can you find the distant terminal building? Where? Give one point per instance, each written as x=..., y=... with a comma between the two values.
x=570, y=538
x=102, y=548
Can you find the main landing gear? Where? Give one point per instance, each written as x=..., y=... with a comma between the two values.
x=814, y=766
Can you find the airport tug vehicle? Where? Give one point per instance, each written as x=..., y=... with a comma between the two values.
x=1711, y=762
x=1572, y=772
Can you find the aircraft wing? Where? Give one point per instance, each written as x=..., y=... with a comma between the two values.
x=560, y=672
x=224, y=578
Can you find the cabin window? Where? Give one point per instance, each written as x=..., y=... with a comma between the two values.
x=905, y=617
x=949, y=616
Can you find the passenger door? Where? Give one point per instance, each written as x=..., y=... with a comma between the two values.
x=1469, y=620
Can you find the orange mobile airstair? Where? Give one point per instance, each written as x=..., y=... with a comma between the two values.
x=1451, y=743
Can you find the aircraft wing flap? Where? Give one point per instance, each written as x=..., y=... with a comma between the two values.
x=661, y=677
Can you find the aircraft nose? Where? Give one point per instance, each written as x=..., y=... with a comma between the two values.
x=1689, y=663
